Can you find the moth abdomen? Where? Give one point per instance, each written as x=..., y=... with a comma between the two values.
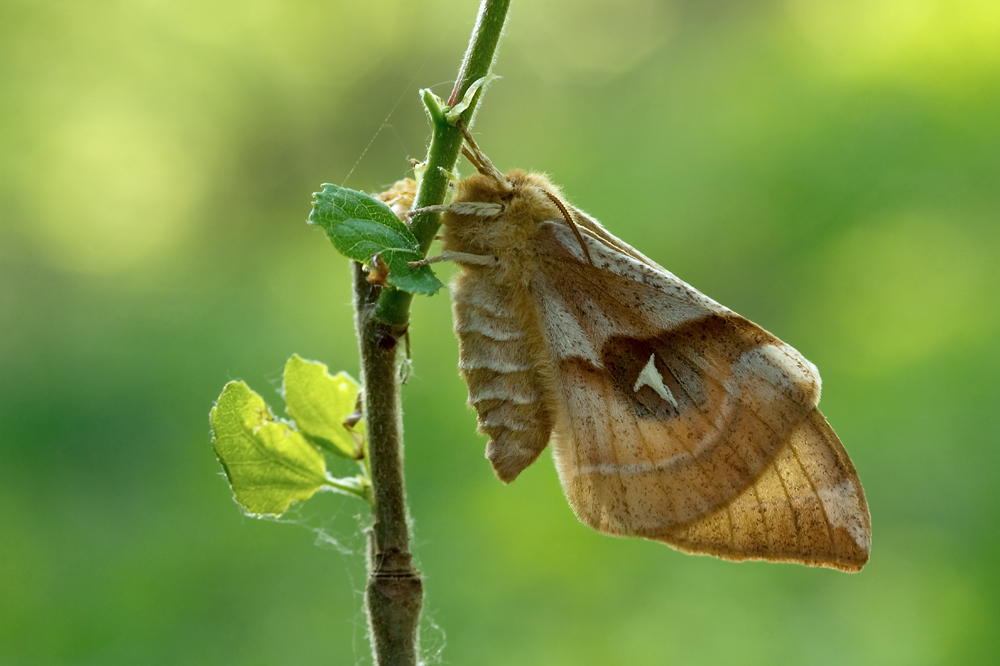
x=498, y=357
x=511, y=451
x=517, y=388
x=512, y=412
x=473, y=320
x=479, y=352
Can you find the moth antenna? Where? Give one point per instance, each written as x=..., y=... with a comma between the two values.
x=572, y=224
x=478, y=158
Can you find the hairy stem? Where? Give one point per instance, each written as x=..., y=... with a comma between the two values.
x=394, y=593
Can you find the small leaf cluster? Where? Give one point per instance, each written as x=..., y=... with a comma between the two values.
x=363, y=228
x=271, y=463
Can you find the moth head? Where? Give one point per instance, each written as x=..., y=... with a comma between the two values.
x=519, y=193
x=528, y=196
x=484, y=189
x=523, y=200
x=494, y=213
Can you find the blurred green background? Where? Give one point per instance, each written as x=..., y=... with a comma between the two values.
x=828, y=168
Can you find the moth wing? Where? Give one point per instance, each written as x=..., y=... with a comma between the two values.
x=681, y=421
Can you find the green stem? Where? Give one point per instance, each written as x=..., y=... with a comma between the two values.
x=446, y=145
x=394, y=593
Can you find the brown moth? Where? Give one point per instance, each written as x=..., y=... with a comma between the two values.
x=671, y=417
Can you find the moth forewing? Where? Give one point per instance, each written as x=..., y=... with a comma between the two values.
x=672, y=418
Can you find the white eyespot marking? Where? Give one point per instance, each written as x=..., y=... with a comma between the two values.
x=842, y=510
x=651, y=377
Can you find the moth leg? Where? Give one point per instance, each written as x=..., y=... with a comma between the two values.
x=458, y=258
x=477, y=208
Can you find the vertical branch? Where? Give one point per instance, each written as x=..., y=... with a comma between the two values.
x=394, y=593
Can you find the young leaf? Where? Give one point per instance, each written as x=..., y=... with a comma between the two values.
x=268, y=464
x=360, y=226
x=320, y=403
x=337, y=204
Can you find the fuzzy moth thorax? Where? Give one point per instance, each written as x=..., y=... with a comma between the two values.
x=505, y=232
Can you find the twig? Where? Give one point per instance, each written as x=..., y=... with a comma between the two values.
x=394, y=594
x=446, y=145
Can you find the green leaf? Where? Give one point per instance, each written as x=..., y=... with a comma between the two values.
x=268, y=464
x=360, y=226
x=336, y=204
x=320, y=403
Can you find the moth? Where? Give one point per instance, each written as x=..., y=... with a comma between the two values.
x=671, y=417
